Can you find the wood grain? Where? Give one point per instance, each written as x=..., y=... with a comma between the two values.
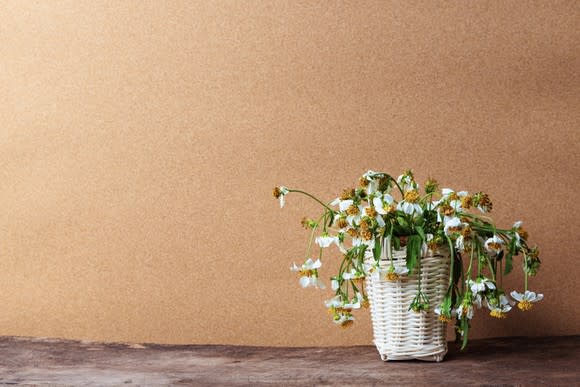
x=507, y=361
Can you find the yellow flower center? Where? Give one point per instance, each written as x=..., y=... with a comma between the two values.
x=453, y=196
x=352, y=210
x=497, y=314
x=444, y=318
x=277, y=192
x=392, y=276
x=525, y=305
x=353, y=233
x=367, y=235
x=347, y=194
x=346, y=324
x=306, y=272
x=494, y=246
x=466, y=201
x=371, y=212
x=411, y=196
x=365, y=303
x=363, y=182
x=446, y=209
x=342, y=223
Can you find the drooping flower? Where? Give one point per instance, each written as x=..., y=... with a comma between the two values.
x=372, y=181
x=395, y=273
x=343, y=319
x=353, y=275
x=500, y=309
x=526, y=300
x=409, y=204
x=279, y=193
x=309, y=273
x=444, y=315
x=482, y=201
x=480, y=285
x=383, y=204
x=458, y=201
x=407, y=181
x=452, y=225
x=465, y=309
x=460, y=243
x=494, y=245
x=325, y=241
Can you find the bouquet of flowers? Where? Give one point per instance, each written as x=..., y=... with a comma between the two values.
x=364, y=220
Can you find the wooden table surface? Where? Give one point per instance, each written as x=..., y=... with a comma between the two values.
x=506, y=361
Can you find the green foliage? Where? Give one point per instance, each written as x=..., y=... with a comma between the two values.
x=414, y=243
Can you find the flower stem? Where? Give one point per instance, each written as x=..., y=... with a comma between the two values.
x=312, y=197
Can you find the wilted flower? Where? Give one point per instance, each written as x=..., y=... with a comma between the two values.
x=526, y=300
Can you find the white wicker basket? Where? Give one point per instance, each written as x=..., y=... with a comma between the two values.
x=400, y=333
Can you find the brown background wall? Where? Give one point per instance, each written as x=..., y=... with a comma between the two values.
x=140, y=141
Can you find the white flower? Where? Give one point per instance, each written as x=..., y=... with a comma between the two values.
x=395, y=273
x=409, y=205
x=526, y=299
x=452, y=225
x=425, y=250
x=464, y=309
x=334, y=285
x=494, y=245
x=499, y=310
x=334, y=302
x=382, y=203
x=477, y=300
x=355, y=303
x=326, y=240
x=372, y=269
x=460, y=243
x=480, y=285
x=309, y=273
x=352, y=275
x=516, y=227
x=359, y=241
x=343, y=319
x=443, y=317
x=342, y=204
x=455, y=197
x=407, y=183
x=281, y=192
x=372, y=178
x=373, y=213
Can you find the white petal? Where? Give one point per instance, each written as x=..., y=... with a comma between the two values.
x=516, y=296
x=345, y=204
x=304, y=281
x=380, y=221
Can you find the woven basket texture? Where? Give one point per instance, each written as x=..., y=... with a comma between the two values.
x=400, y=333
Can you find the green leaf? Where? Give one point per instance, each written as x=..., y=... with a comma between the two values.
x=420, y=232
x=396, y=243
x=414, y=243
x=331, y=218
x=377, y=250
x=402, y=221
x=509, y=257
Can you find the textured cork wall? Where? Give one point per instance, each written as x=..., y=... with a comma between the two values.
x=140, y=141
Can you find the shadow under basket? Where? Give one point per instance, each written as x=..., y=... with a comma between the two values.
x=400, y=333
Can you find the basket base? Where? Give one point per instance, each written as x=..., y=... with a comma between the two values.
x=437, y=357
